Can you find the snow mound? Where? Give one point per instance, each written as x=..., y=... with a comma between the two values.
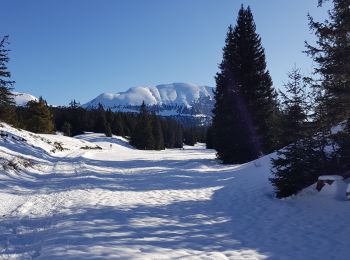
x=23, y=144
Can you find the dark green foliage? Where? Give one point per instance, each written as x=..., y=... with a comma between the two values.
x=157, y=132
x=245, y=109
x=341, y=162
x=39, y=118
x=100, y=121
x=253, y=81
x=294, y=109
x=194, y=134
x=118, y=125
x=190, y=137
x=7, y=105
x=108, y=130
x=293, y=168
x=316, y=149
x=332, y=56
x=142, y=137
x=210, y=138
x=67, y=129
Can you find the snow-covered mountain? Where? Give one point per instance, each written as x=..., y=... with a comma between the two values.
x=21, y=99
x=181, y=100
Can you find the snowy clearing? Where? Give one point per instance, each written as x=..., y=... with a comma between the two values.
x=122, y=203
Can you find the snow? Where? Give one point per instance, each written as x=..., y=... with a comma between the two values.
x=21, y=99
x=122, y=203
x=183, y=94
x=330, y=178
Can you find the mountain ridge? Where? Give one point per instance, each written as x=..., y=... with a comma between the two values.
x=185, y=101
x=164, y=94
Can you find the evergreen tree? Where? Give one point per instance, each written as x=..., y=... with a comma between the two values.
x=243, y=122
x=39, y=117
x=67, y=129
x=253, y=81
x=210, y=138
x=7, y=105
x=109, y=116
x=157, y=133
x=74, y=104
x=142, y=136
x=332, y=56
x=342, y=140
x=190, y=136
x=293, y=169
x=178, y=135
x=108, y=130
x=100, y=121
x=117, y=125
x=294, y=108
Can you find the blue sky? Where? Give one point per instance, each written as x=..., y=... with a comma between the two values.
x=65, y=49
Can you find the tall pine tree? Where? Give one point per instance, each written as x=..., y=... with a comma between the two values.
x=331, y=54
x=157, y=132
x=142, y=136
x=243, y=122
x=7, y=105
x=292, y=169
x=294, y=107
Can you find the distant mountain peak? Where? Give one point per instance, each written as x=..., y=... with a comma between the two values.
x=21, y=99
x=176, y=100
x=182, y=94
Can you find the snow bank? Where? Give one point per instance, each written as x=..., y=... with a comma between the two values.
x=330, y=178
x=121, y=203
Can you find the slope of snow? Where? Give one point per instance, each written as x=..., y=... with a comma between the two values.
x=122, y=203
x=183, y=94
x=21, y=99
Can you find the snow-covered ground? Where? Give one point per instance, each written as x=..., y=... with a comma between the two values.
x=121, y=203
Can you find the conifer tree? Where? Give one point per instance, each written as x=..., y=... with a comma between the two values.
x=294, y=108
x=67, y=129
x=108, y=130
x=100, y=121
x=253, y=80
x=332, y=56
x=39, y=117
x=109, y=116
x=7, y=104
x=157, y=133
x=243, y=122
x=292, y=169
x=142, y=136
x=331, y=83
x=117, y=125
x=210, y=138
x=76, y=117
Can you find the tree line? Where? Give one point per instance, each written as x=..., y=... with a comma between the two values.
x=145, y=130
x=251, y=118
